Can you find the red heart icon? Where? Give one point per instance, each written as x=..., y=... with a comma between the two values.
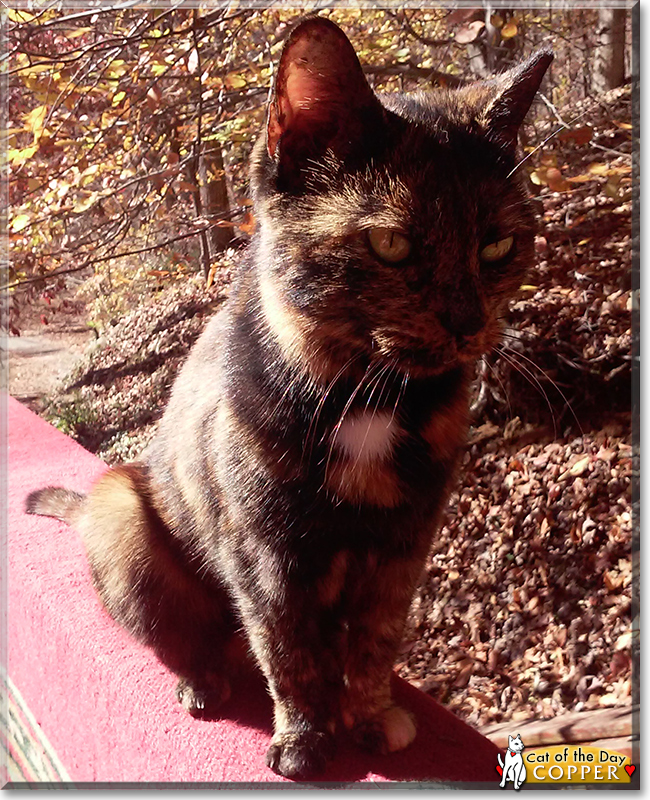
x=500, y=770
x=629, y=768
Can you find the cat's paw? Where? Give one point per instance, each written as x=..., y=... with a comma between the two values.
x=202, y=701
x=300, y=754
x=391, y=730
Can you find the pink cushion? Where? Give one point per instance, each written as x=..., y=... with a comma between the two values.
x=105, y=703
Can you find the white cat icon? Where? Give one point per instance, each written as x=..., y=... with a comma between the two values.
x=513, y=768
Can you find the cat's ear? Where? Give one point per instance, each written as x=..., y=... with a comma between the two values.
x=515, y=92
x=320, y=98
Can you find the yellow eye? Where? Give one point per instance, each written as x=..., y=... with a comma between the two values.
x=497, y=250
x=388, y=244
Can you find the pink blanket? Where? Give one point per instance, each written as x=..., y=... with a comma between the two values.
x=107, y=706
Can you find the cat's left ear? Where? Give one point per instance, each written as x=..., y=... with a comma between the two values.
x=515, y=92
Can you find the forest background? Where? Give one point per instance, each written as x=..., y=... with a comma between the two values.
x=127, y=132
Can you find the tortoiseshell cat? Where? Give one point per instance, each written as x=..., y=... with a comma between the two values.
x=311, y=439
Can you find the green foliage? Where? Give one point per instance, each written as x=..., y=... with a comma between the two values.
x=71, y=415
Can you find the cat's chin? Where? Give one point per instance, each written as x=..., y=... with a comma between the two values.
x=424, y=366
x=425, y=363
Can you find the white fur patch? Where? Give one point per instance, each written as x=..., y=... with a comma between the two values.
x=399, y=728
x=368, y=436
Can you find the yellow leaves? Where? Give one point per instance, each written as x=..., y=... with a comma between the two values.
x=615, y=175
x=612, y=186
x=107, y=119
x=509, y=30
x=85, y=203
x=62, y=190
x=211, y=275
x=117, y=98
x=20, y=222
x=235, y=81
x=36, y=69
x=35, y=121
x=17, y=14
x=116, y=69
x=88, y=175
x=597, y=168
x=17, y=157
x=550, y=176
x=79, y=32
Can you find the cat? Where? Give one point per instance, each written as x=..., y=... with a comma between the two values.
x=514, y=768
x=311, y=440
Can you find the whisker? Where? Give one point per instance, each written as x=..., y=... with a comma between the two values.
x=501, y=383
x=554, y=384
x=390, y=366
x=562, y=127
x=311, y=431
x=400, y=394
x=385, y=369
x=514, y=337
x=532, y=379
x=346, y=408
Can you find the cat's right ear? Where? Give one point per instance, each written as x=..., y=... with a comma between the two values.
x=515, y=93
x=320, y=99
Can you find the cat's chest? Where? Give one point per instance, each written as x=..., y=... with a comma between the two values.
x=366, y=458
x=367, y=437
x=361, y=465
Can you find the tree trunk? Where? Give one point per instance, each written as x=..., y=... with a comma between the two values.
x=214, y=196
x=609, y=57
x=206, y=171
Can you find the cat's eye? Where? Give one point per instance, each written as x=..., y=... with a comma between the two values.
x=495, y=251
x=389, y=244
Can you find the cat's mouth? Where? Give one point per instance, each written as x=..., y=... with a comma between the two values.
x=426, y=360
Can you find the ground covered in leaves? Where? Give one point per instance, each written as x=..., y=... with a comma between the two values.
x=525, y=608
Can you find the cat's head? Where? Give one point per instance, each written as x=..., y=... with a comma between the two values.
x=391, y=228
x=515, y=744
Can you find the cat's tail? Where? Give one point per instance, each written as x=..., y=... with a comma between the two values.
x=500, y=760
x=55, y=501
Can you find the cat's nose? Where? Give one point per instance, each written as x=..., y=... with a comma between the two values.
x=463, y=320
x=461, y=310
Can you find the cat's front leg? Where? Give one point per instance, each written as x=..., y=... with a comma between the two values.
x=298, y=647
x=376, y=629
x=305, y=680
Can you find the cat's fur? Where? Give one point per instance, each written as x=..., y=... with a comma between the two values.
x=514, y=768
x=310, y=442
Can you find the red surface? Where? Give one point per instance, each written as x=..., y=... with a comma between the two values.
x=107, y=705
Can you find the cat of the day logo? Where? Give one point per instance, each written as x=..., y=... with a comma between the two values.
x=565, y=763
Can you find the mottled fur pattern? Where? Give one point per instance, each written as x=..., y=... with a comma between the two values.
x=311, y=439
